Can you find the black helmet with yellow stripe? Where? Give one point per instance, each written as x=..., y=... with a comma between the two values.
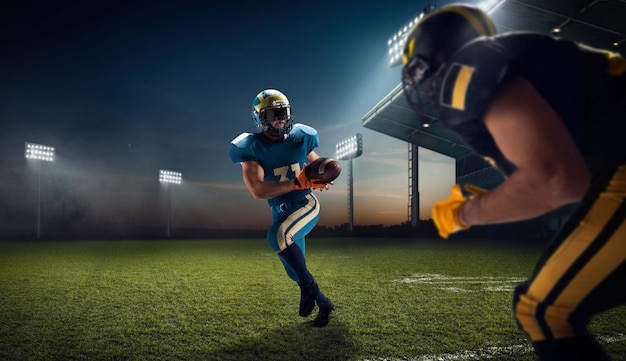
x=431, y=44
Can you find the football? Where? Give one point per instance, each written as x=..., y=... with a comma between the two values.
x=323, y=168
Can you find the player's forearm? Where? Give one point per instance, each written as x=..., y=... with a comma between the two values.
x=267, y=190
x=521, y=197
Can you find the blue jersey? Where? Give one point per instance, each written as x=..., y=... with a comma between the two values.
x=281, y=161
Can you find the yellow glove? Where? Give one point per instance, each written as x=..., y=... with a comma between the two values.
x=446, y=212
x=476, y=191
x=303, y=182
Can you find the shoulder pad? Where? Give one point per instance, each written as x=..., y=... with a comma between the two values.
x=301, y=133
x=298, y=127
x=241, y=148
x=475, y=75
x=243, y=140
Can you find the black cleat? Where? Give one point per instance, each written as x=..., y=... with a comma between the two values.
x=308, y=294
x=322, y=316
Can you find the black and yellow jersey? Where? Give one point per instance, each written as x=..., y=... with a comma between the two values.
x=586, y=87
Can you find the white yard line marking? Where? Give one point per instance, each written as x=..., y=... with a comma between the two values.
x=486, y=289
x=496, y=284
x=486, y=353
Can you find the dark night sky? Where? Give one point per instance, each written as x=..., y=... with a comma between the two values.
x=123, y=89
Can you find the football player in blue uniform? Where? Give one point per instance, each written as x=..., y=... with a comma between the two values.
x=549, y=114
x=273, y=162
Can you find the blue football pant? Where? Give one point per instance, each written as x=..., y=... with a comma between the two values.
x=292, y=222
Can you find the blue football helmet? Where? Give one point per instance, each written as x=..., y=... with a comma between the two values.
x=271, y=105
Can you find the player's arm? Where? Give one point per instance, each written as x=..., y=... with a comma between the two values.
x=253, y=176
x=311, y=157
x=551, y=172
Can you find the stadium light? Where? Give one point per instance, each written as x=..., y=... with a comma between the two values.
x=169, y=177
x=166, y=176
x=40, y=153
x=396, y=42
x=349, y=149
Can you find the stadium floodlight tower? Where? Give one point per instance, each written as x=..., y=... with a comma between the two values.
x=40, y=153
x=349, y=149
x=396, y=42
x=168, y=178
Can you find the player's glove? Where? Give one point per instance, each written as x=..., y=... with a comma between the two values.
x=446, y=212
x=303, y=182
x=476, y=191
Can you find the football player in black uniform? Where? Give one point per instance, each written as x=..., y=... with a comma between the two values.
x=550, y=115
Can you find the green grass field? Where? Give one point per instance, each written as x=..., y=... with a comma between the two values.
x=231, y=300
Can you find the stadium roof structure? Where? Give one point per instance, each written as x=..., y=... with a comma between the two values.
x=597, y=23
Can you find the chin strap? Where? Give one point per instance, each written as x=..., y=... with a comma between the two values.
x=275, y=131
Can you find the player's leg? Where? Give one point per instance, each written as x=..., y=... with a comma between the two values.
x=292, y=259
x=290, y=272
x=325, y=306
x=581, y=274
x=296, y=219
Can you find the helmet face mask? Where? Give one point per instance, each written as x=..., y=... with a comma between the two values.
x=420, y=87
x=277, y=120
x=271, y=113
x=415, y=72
